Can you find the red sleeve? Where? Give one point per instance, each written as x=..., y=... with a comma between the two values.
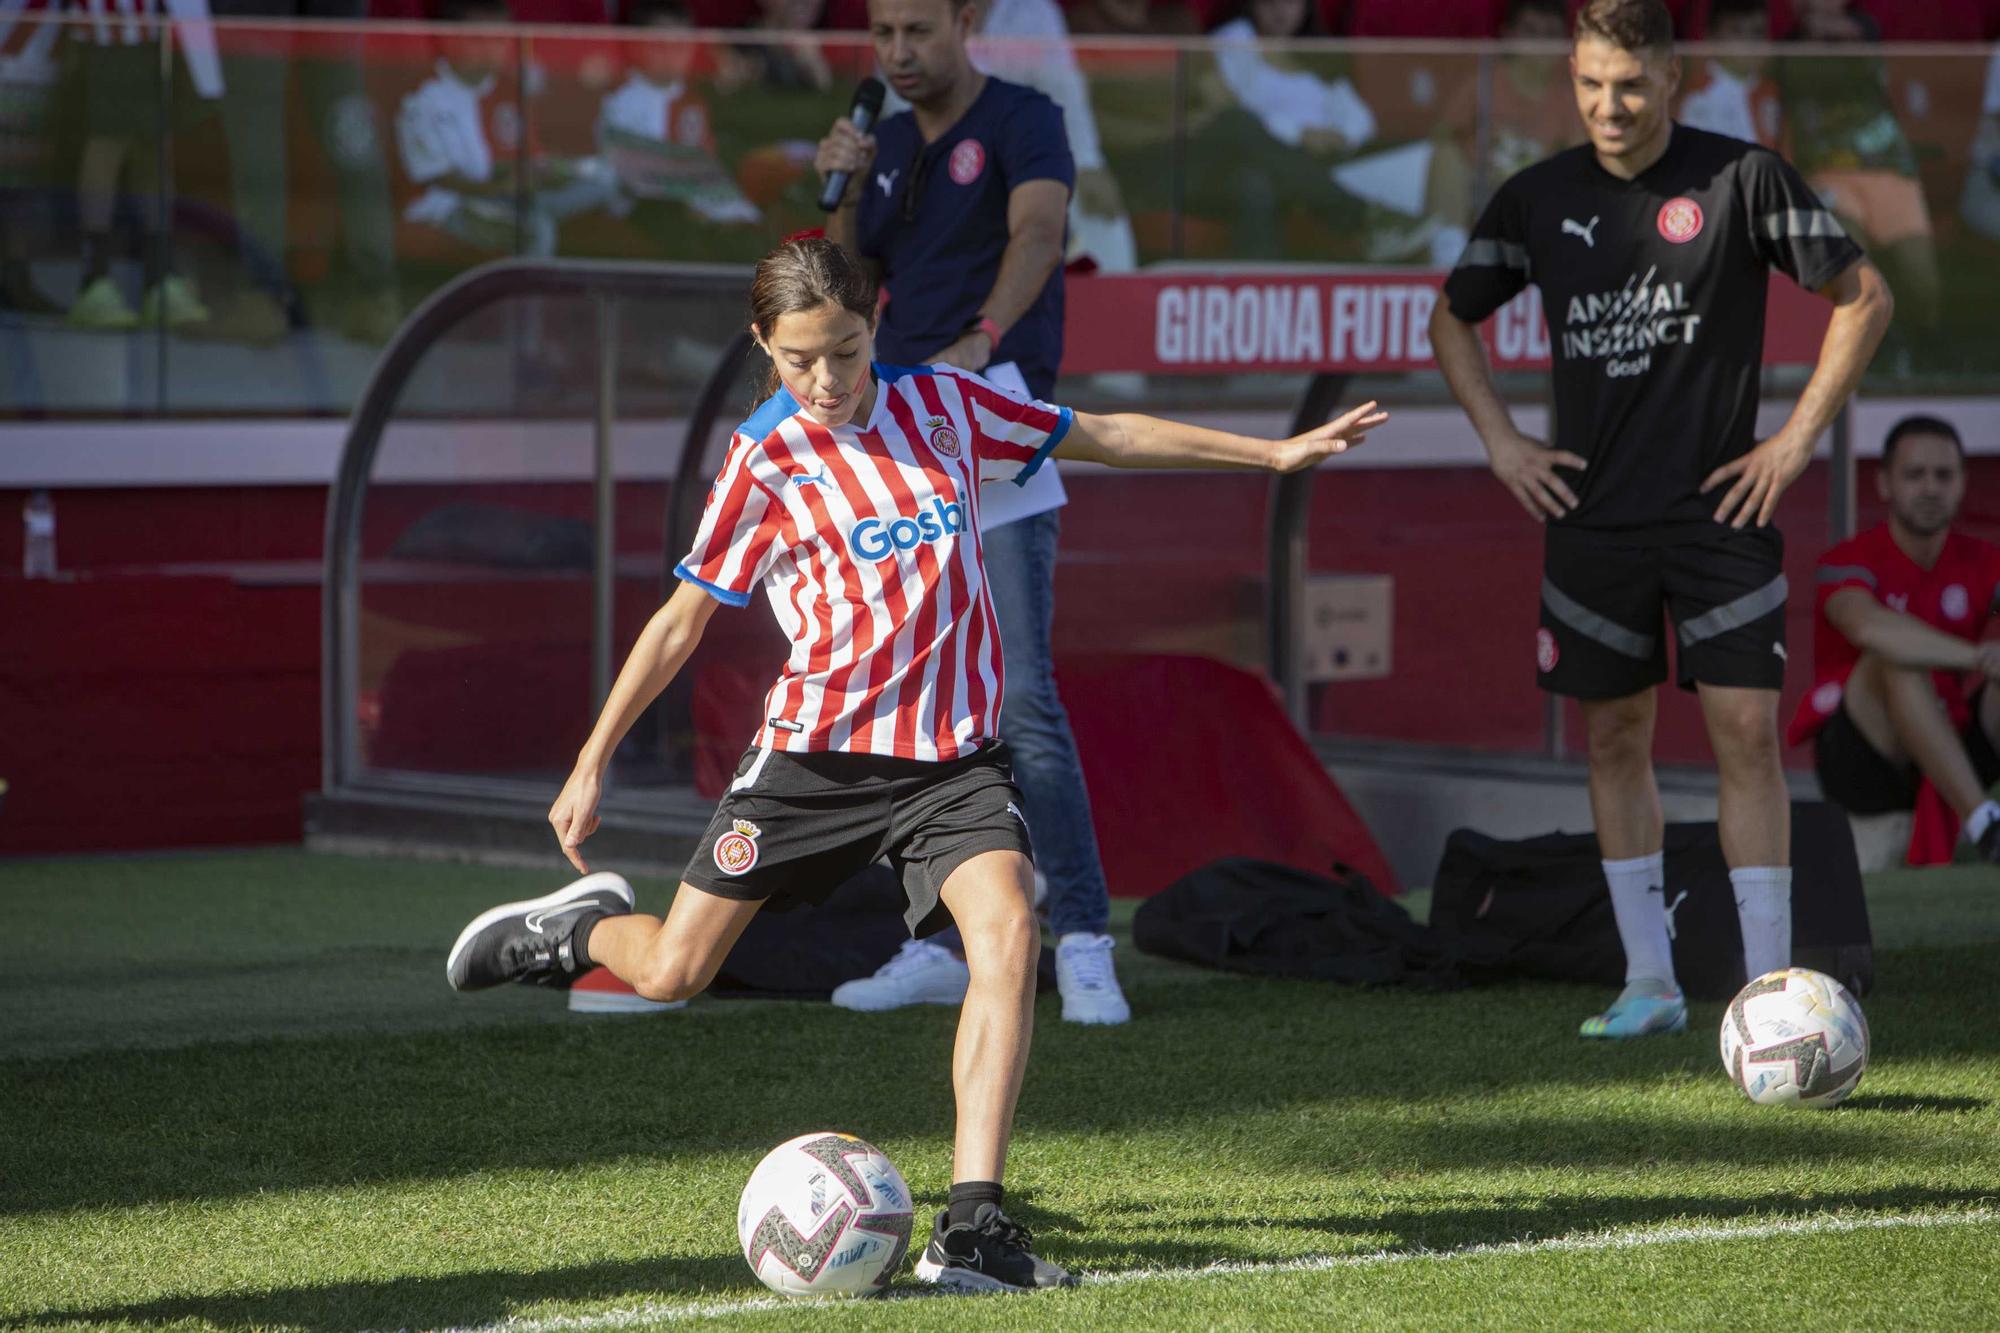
x=1845, y=566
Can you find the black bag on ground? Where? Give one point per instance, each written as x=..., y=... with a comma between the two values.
x=1539, y=907
x=804, y=953
x=1245, y=915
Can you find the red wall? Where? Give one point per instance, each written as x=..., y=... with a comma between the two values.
x=146, y=706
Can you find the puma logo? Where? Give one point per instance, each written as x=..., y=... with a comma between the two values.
x=887, y=181
x=1571, y=227
x=1672, y=908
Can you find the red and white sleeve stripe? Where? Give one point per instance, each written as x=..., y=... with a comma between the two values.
x=740, y=526
x=1011, y=435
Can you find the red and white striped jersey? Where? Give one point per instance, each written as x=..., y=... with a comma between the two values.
x=866, y=539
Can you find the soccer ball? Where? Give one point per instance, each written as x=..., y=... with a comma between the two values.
x=1795, y=1037
x=824, y=1215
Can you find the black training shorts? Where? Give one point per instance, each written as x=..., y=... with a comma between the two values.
x=1605, y=601
x=1861, y=780
x=793, y=828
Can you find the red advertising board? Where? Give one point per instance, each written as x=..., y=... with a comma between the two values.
x=1213, y=324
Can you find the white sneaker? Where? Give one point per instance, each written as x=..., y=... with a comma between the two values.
x=920, y=973
x=1089, y=987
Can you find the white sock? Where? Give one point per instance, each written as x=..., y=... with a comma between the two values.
x=1638, y=900
x=1980, y=820
x=1764, y=907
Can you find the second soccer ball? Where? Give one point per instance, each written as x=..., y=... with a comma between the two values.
x=1795, y=1037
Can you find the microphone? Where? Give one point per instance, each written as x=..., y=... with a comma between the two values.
x=867, y=106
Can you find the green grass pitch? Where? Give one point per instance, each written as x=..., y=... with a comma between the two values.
x=236, y=1093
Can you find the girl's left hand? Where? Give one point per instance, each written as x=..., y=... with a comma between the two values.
x=1337, y=436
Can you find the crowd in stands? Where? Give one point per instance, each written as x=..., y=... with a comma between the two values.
x=1401, y=154
x=1816, y=20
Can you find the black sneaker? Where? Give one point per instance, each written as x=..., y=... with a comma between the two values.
x=533, y=941
x=991, y=1253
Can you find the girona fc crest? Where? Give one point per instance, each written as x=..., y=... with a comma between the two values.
x=967, y=161
x=1546, y=652
x=943, y=438
x=736, y=850
x=1680, y=220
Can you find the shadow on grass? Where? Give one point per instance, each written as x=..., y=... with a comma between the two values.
x=1903, y=1103
x=412, y=1302
x=1448, y=1228
x=130, y=1127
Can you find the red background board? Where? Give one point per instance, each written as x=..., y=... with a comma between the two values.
x=1329, y=322
x=138, y=710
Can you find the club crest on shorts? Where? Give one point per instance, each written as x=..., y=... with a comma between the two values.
x=1546, y=652
x=967, y=161
x=1680, y=220
x=943, y=438
x=736, y=850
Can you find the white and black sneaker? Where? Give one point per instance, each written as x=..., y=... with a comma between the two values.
x=534, y=941
x=990, y=1253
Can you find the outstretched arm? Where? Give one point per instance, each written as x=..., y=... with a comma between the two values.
x=663, y=648
x=1862, y=306
x=1128, y=439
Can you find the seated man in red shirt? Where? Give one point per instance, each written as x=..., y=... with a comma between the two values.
x=1896, y=634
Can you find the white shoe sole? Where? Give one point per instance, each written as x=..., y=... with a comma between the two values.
x=601, y=1002
x=602, y=881
x=1100, y=1020
x=884, y=1006
x=960, y=1279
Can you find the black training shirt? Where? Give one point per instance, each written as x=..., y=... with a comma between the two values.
x=1654, y=290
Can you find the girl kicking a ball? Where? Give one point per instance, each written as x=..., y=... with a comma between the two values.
x=852, y=497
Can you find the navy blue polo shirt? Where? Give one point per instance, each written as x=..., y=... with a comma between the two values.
x=935, y=217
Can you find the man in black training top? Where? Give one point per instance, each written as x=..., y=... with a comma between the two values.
x=1651, y=245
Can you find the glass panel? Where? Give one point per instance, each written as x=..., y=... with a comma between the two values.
x=650, y=145
x=86, y=205
x=477, y=550
x=317, y=182
x=695, y=733
x=479, y=539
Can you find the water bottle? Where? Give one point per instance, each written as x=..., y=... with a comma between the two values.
x=38, y=537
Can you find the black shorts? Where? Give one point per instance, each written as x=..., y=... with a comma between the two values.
x=1861, y=780
x=1605, y=601
x=793, y=828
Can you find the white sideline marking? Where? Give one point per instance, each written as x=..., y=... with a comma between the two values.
x=654, y=1312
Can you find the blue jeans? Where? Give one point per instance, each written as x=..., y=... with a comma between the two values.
x=1021, y=572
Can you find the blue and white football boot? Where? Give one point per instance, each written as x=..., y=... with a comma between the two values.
x=1644, y=1007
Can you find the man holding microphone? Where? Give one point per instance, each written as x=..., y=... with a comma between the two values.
x=959, y=205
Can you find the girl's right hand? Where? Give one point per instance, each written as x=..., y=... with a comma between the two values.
x=574, y=815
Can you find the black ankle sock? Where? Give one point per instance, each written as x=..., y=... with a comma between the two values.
x=579, y=939
x=153, y=258
x=965, y=1198
x=96, y=257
